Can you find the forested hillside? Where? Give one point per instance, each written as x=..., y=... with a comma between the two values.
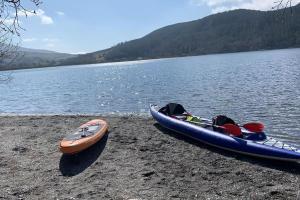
x=232, y=31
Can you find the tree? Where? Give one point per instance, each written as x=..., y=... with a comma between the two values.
x=283, y=4
x=10, y=27
x=9, y=21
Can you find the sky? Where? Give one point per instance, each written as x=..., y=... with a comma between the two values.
x=74, y=26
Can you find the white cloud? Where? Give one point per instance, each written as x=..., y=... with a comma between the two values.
x=29, y=39
x=26, y=14
x=50, y=39
x=8, y=22
x=212, y=3
x=224, y=5
x=60, y=13
x=219, y=9
x=45, y=19
x=48, y=42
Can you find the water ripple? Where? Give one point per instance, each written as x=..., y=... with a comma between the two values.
x=254, y=86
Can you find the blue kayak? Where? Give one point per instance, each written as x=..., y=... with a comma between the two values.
x=267, y=147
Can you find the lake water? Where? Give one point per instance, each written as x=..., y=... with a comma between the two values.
x=250, y=86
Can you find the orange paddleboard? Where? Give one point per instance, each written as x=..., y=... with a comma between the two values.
x=85, y=136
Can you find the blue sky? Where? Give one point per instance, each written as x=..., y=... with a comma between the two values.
x=75, y=26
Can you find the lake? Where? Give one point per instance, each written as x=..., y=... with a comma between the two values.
x=251, y=86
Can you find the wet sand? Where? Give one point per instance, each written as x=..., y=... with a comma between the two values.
x=138, y=159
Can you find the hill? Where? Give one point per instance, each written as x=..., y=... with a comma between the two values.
x=32, y=58
x=232, y=31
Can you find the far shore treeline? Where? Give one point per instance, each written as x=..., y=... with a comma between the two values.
x=232, y=31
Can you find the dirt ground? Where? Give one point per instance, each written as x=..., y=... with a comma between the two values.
x=137, y=159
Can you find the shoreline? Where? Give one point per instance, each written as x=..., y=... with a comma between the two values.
x=138, y=159
x=137, y=60
x=115, y=114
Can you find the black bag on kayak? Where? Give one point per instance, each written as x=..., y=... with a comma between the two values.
x=220, y=120
x=172, y=109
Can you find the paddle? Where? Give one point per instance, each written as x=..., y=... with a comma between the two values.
x=232, y=129
x=256, y=127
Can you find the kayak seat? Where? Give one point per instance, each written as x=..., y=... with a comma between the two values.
x=224, y=124
x=173, y=109
x=220, y=120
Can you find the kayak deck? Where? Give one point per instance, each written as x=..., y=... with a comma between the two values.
x=269, y=141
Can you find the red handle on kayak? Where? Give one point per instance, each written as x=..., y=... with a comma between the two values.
x=256, y=127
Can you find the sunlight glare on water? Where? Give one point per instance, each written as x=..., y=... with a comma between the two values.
x=252, y=86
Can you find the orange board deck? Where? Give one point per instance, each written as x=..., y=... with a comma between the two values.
x=84, y=137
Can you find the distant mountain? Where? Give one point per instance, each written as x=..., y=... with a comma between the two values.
x=23, y=49
x=232, y=31
x=32, y=58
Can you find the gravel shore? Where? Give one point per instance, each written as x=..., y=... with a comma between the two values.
x=137, y=159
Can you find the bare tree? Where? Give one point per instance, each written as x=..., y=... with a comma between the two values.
x=10, y=27
x=282, y=4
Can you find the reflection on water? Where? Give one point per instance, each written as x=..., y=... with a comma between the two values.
x=250, y=86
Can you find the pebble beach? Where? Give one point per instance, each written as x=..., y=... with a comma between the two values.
x=137, y=159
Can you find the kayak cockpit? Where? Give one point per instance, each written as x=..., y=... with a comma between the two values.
x=220, y=124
